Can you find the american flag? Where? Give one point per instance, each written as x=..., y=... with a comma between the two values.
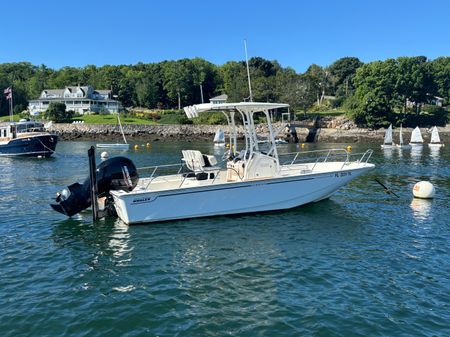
x=8, y=93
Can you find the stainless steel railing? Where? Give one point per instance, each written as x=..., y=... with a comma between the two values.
x=323, y=156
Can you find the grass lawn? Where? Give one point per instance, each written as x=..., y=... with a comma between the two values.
x=95, y=119
x=16, y=118
x=111, y=119
x=330, y=113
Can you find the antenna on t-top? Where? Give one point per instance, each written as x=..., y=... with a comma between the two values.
x=248, y=71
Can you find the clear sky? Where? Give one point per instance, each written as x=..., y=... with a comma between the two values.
x=296, y=33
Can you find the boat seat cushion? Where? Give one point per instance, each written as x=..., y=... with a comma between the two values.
x=193, y=159
x=197, y=162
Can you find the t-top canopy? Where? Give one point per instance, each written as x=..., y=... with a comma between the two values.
x=246, y=107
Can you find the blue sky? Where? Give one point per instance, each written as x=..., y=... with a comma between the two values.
x=296, y=33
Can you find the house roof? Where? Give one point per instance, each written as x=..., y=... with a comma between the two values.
x=54, y=91
x=219, y=98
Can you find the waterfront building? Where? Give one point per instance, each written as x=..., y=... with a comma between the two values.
x=81, y=99
x=219, y=99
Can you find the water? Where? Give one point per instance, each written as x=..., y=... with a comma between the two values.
x=362, y=263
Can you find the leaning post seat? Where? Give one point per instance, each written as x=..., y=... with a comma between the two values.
x=198, y=162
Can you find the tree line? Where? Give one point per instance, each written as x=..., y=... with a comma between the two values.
x=373, y=94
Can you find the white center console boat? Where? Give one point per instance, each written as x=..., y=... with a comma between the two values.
x=253, y=179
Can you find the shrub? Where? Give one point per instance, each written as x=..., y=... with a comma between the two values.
x=57, y=112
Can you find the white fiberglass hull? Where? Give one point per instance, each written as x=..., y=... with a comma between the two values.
x=232, y=198
x=435, y=145
x=118, y=146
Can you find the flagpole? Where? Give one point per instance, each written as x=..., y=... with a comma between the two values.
x=11, y=106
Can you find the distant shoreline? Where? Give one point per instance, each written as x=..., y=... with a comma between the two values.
x=140, y=132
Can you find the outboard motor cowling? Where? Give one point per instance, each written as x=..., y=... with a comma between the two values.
x=118, y=173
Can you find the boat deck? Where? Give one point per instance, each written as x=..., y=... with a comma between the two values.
x=219, y=176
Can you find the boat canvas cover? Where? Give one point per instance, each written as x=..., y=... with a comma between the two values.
x=388, y=136
x=435, y=136
x=416, y=136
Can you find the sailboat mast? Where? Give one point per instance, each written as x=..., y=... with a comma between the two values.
x=121, y=129
x=401, y=135
x=248, y=72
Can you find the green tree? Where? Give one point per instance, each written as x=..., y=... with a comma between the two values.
x=413, y=79
x=235, y=82
x=57, y=112
x=342, y=73
x=375, y=97
x=440, y=72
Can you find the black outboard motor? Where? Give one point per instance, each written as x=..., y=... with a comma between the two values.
x=118, y=173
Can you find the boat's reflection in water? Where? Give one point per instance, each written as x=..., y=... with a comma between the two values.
x=435, y=152
x=416, y=154
x=119, y=241
x=388, y=152
x=421, y=209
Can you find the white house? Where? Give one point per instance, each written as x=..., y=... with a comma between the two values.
x=80, y=99
x=219, y=99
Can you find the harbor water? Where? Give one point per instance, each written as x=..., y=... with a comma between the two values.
x=362, y=263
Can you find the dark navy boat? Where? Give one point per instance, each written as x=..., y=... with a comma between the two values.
x=26, y=138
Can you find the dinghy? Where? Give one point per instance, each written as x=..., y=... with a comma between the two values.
x=116, y=146
x=416, y=137
x=435, y=139
x=387, y=144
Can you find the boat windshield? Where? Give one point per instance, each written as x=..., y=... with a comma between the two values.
x=29, y=127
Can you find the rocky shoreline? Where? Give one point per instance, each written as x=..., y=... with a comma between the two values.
x=329, y=130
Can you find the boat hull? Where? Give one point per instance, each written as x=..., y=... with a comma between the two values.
x=33, y=146
x=231, y=198
x=435, y=145
x=117, y=146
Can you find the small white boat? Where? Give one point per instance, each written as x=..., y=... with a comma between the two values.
x=254, y=179
x=401, y=144
x=387, y=143
x=116, y=146
x=113, y=146
x=416, y=137
x=281, y=141
x=435, y=139
x=219, y=138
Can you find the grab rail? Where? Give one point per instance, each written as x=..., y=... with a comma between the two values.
x=324, y=156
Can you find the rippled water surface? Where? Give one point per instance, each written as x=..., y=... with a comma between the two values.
x=362, y=263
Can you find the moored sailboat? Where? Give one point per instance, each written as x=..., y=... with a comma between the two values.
x=116, y=146
x=387, y=143
x=416, y=137
x=219, y=137
x=401, y=144
x=435, y=139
